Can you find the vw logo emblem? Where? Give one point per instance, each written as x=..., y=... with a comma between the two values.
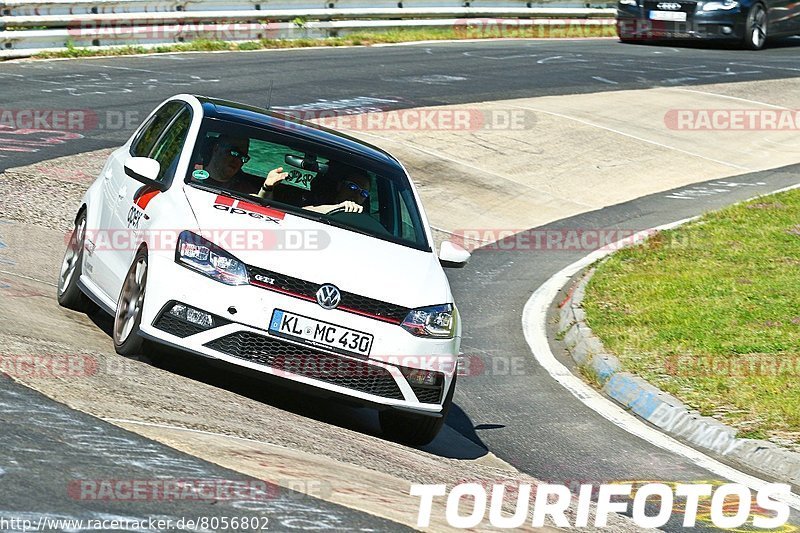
x=328, y=296
x=671, y=6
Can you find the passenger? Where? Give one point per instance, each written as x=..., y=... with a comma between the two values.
x=346, y=187
x=228, y=155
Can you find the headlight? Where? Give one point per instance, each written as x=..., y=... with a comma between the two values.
x=436, y=321
x=629, y=2
x=205, y=257
x=727, y=5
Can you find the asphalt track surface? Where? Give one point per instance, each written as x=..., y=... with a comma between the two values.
x=523, y=416
x=53, y=461
x=403, y=76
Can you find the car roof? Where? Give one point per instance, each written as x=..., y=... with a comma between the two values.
x=263, y=118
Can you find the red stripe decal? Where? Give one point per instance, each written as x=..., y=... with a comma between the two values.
x=370, y=315
x=224, y=200
x=247, y=206
x=145, y=198
x=283, y=291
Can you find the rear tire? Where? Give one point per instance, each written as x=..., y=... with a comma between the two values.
x=414, y=429
x=128, y=316
x=69, y=294
x=755, y=31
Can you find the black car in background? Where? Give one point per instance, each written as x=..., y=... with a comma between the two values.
x=750, y=22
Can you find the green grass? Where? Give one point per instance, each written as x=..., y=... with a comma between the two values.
x=353, y=39
x=724, y=290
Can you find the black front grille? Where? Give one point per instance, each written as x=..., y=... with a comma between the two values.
x=307, y=290
x=176, y=326
x=330, y=368
x=428, y=394
x=686, y=7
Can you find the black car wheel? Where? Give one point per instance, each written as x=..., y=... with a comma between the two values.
x=69, y=295
x=416, y=430
x=129, y=308
x=755, y=34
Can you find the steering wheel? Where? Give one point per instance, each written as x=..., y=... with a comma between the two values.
x=340, y=210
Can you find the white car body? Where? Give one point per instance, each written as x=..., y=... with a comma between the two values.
x=357, y=264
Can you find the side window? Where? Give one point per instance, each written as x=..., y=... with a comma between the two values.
x=144, y=142
x=168, y=149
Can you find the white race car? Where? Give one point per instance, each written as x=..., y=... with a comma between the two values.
x=243, y=235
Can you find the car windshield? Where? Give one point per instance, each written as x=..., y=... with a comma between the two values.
x=320, y=182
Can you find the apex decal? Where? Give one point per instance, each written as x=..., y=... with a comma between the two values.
x=141, y=198
x=239, y=207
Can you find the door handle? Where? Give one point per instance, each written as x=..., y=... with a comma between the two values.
x=122, y=192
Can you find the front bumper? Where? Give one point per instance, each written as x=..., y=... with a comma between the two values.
x=242, y=338
x=634, y=24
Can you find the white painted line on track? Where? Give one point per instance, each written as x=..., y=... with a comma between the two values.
x=766, y=66
x=28, y=278
x=730, y=97
x=630, y=135
x=534, y=327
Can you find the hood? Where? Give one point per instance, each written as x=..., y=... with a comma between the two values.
x=292, y=245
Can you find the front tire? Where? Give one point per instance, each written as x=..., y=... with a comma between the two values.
x=413, y=429
x=69, y=295
x=130, y=303
x=755, y=32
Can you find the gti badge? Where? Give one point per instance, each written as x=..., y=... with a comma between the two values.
x=328, y=296
x=265, y=279
x=669, y=6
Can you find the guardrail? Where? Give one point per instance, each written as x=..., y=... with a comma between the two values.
x=29, y=27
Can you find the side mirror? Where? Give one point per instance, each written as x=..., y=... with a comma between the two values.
x=452, y=255
x=144, y=170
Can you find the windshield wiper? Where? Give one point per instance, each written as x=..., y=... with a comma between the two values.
x=337, y=224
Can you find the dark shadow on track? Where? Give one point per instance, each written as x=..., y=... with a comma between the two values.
x=698, y=44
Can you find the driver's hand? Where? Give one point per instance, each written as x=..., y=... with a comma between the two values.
x=349, y=207
x=275, y=176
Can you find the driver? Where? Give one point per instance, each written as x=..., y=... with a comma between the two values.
x=228, y=155
x=349, y=190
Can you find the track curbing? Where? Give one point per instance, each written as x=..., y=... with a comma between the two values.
x=660, y=408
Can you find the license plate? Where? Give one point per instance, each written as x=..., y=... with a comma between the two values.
x=672, y=16
x=320, y=334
